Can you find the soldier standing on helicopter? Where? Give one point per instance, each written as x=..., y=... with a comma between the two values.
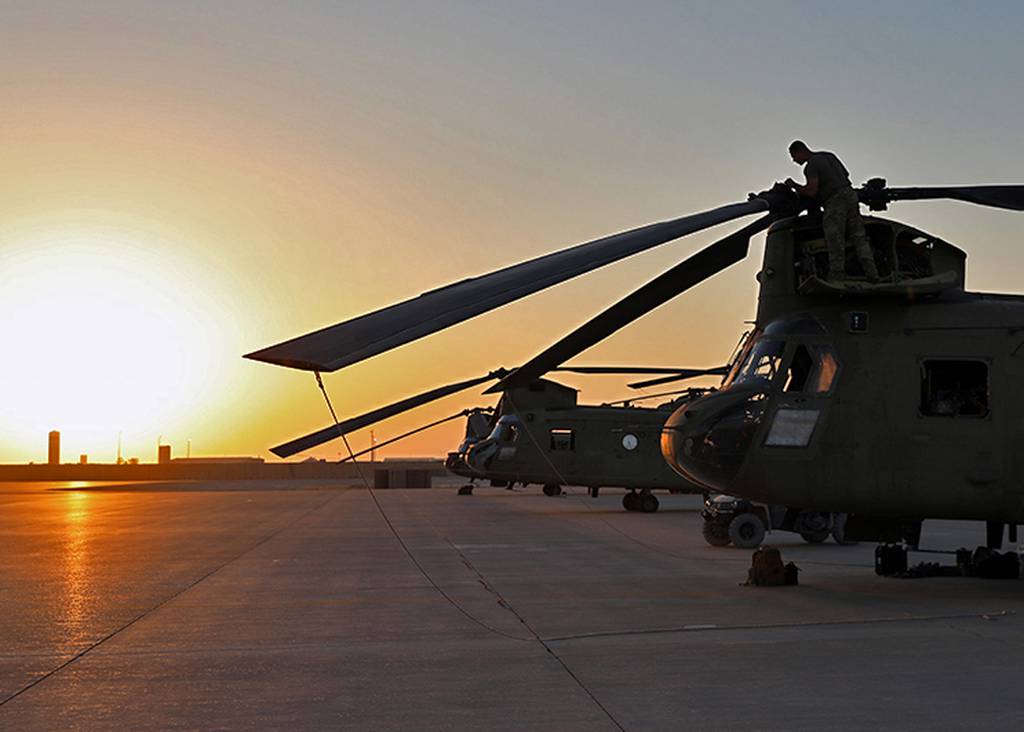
x=828, y=183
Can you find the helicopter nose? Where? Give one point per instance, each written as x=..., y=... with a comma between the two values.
x=480, y=455
x=708, y=439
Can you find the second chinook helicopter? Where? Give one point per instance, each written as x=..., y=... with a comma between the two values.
x=541, y=434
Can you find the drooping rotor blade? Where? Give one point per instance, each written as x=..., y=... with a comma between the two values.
x=645, y=397
x=340, y=345
x=410, y=433
x=680, y=376
x=621, y=370
x=692, y=271
x=333, y=431
x=877, y=196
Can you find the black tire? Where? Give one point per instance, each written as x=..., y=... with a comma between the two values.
x=746, y=531
x=815, y=537
x=552, y=489
x=595, y=491
x=648, y=502
x=631, y=501
x=466, y=490
x=715, y=533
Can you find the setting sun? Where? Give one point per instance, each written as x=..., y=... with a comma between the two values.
x=112, y=335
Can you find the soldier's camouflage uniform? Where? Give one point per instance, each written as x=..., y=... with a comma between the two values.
x=841, y=222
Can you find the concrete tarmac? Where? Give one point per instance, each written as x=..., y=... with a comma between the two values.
x=294, y=606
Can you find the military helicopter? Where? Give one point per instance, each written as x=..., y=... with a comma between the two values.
x=893, y=402
x=540, y=434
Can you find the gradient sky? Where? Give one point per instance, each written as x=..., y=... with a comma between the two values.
x=181, y=183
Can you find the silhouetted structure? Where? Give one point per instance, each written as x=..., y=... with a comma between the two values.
x=53, y=454
x=163, y=454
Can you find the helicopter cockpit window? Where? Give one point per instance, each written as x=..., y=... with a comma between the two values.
x=563, y=440
x=762, y=363
x=828, y=367
x=505, y=432
x=799, y=369
x=812, y=369
x=952, y=388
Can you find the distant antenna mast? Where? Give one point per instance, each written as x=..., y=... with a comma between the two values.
x=373, y=448
x=188, y=448
x=119, y=459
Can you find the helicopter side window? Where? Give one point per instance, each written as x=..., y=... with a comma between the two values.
x=563, y=440
x=954, y=388
x=828, y=367
x=799, y=369
x=762, y=363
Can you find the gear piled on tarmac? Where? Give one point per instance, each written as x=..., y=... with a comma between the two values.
x=767, y=569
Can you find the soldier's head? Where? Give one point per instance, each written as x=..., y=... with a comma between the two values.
x=799, y=151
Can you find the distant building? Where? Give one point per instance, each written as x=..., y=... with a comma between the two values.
x=83, y=459
x=163, y=454
x=53, y=455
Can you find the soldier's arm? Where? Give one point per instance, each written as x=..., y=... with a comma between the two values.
x=809, y=189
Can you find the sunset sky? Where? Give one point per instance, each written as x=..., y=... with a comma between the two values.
x=182, y=183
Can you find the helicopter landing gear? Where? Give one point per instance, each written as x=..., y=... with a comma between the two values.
x=746, y=531
x=594, y=491
x=466, y=490
x=716, y=533
x=644, y=501
x=552, y=489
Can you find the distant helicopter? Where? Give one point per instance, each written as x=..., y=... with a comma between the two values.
x=893, y=402
x=540, y=434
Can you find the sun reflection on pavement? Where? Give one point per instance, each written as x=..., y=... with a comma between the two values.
x=75, y=567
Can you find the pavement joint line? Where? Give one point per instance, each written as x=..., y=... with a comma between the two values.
x=709, y=627
x=162, y=603
x=544, y=644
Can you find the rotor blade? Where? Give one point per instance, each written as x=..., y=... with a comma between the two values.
x=644, y=397
x=680, y=376
x=876, y=196
x=331, y=348
x=327, y=434
x=621, y=369
x=692, y=271
x=410, y=433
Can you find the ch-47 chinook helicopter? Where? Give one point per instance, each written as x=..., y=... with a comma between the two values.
x=540, y=434
x=893, y=402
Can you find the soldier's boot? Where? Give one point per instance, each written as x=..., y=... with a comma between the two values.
x=870, y=270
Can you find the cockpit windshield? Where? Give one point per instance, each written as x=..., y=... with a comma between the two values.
x=761, y=364
x=808, y=367
x=506, y=431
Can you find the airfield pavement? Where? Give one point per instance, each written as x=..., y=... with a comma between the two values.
x=267, y=605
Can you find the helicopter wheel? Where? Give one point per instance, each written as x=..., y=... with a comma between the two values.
x=715, y=533
x=594, y=491
x=746, y=531
x=552, y=489
x=466, y=490
x=648, y=502
x=631, y=501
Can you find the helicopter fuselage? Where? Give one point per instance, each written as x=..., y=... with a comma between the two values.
x=898, y=400
x=541, y=435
